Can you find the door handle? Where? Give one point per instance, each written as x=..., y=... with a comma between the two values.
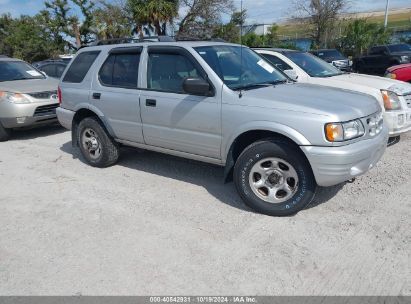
x=96, y=95
x=151, y=102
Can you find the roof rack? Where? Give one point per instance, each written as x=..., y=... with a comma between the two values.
x=200, y=39
x=132, y=40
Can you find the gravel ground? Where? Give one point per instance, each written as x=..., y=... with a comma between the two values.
x=156, y=224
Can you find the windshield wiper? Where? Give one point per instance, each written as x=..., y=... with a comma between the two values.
x=259, y=85
x=252, y=86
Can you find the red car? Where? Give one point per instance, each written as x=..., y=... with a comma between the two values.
x=400, y=72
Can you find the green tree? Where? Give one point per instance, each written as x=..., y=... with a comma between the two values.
x=231, y=31
x=153, y=14
x=360, y=34
x=25, y=38
x=64, y=23
x=112, y=21
x=5, y=28
x=202, y=17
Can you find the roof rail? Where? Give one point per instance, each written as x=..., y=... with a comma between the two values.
x=132, y=40
x=201, y=39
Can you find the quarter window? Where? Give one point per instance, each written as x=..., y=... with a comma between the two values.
x=120, y=70
x=80, y=66
x=167, y=71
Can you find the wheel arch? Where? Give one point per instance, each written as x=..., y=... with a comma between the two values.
x=247, y=136
x=85, y=112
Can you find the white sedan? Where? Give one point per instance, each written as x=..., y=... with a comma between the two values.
x=394, y=96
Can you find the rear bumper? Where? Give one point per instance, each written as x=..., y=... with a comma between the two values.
x=335, y=165
x=65, y=117
x=25, y=115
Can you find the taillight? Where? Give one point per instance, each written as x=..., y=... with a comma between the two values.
x=60, y=97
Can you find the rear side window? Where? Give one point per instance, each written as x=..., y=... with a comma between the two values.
x=120, y=70
x=80, y=66
x=277, y=62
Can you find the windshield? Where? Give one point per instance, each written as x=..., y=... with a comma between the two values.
x=312, y=65
x=399, y=48
x=330, y=54
x=18, y=70
x=226, y=62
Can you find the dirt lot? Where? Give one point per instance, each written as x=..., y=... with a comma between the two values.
x=155, y=224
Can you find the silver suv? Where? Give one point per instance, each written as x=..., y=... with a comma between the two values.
x=27, y=97
x=277, y=139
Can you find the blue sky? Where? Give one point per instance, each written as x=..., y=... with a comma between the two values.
x=258, y=10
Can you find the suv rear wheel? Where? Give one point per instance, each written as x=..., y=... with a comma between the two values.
x=4, y=133
x=96, y=146
x=273, y=178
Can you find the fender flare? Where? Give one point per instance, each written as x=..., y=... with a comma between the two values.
x=284, y=130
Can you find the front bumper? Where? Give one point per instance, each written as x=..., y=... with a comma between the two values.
x=335, y=165
x=398, y=122
x=25, y=115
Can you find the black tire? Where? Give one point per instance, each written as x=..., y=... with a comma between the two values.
x=108, y=149
x=4, y=133
x=305, y=188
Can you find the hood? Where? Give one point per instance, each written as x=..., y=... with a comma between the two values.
x=398, y=67
x=30, y=85
x=381, y=83
x=337, y=104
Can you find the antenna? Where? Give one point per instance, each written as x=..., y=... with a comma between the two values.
x=241, y=49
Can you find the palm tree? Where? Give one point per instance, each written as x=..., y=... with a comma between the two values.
x=154, y=14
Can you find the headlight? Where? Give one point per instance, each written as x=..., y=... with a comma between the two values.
x=391, y=100
x=16, y=98
x=342, y=131
x=405, y=59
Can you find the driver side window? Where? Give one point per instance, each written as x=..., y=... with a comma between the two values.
x=167, y=71
x=277, y=62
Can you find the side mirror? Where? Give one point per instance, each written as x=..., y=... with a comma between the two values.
x=196, y=86
x=292, y=74
x=44, y=73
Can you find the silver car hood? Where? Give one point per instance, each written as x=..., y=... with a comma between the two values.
x=30, y=85
x=340, y=104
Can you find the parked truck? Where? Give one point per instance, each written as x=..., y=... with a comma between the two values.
x=381, y=57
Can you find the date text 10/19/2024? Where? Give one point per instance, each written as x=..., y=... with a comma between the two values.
x=203, y=299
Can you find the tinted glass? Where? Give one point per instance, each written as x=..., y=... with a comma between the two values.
x=226, y=62
x=312, y=65
x=49, y=69
x=80, y=66
x=120, y=70
x=60, y=70
x=400, y=48
x=18, y=70
x=166, y=72
x=277, y=62
x=330, y=54
x=377, y=50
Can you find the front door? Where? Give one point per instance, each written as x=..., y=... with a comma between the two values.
x=173, y=119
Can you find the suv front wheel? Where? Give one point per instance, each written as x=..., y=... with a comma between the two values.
x=273, y=178
x=96, y=146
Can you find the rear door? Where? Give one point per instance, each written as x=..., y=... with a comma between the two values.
x=173, y=119
x=115, y=93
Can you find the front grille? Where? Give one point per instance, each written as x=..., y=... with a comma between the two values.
x=408, y=100
x=43, y=95
x=46, y=110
